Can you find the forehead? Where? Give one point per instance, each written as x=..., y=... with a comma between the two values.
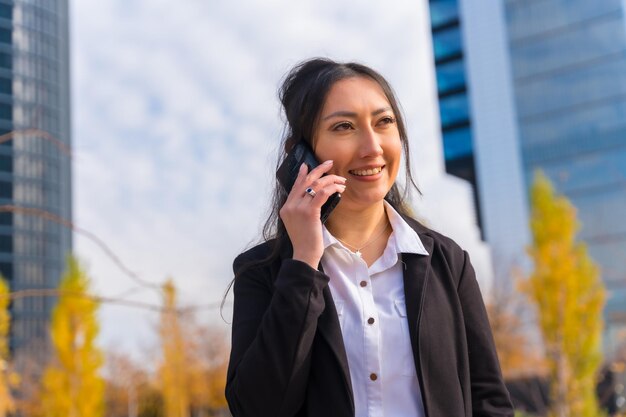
x=353, y=93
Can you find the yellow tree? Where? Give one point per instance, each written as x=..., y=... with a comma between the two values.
x=72, y=386
x=566, y=289
x=173, y=371
x=6, y=400
x=207, y=358
x=194, y=359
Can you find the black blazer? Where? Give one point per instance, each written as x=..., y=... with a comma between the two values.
x=288, y=357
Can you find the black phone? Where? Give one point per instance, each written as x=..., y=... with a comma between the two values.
x=288, y=171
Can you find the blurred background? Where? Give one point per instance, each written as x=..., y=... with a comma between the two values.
x=142, y=136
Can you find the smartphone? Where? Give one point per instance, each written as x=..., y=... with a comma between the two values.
x=288, y=171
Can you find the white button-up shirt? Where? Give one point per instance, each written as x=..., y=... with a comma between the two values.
x=371, y=307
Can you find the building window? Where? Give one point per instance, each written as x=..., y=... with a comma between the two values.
x=6, y=86
x=6, y=189
x=6, y=60
x=457, y=143
x=6, y=269
x=6, y=219
x=447, y=43
x=6, y=163
x=450, y=76
x=454, y=110
x=6, y=111
x=443, y=12
x=6, y=11
x=6, y=243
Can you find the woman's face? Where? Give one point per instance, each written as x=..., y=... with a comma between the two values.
x=358, y=131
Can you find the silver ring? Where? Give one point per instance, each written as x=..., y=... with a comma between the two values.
x=310, y=191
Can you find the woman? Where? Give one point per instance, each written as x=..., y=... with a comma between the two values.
x=370, y=314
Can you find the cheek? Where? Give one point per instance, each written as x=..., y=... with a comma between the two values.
x=322, y=149
x=394, y=154
x=338, y=152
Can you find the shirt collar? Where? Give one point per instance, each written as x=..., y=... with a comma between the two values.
x=406, y=239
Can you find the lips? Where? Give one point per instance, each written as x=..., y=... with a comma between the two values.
x=366, y=172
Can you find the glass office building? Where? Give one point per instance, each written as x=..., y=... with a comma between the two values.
x=564, y=63
x=478, y=122
x=569, y=74
x=454, y=110
x=35, y=168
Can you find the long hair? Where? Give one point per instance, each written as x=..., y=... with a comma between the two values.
x=302, y=94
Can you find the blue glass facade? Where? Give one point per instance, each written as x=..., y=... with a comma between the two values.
x=454, y=109
x=34, y=170
x=568, y=73
x=569, y=69
x=6, y=146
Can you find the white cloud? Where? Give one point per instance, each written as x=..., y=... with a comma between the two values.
x=176, y=125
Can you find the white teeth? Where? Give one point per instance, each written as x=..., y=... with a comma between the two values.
x=364, y=172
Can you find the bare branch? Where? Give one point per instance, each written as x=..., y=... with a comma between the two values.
x=95, y=239
x=39, y=133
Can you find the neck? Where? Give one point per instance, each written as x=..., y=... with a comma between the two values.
x=356, y=227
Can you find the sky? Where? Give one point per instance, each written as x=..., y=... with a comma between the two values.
x=176, y=125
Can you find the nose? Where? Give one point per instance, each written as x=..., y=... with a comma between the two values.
x=370, y=144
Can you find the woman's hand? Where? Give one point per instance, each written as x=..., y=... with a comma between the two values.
x=301, y=212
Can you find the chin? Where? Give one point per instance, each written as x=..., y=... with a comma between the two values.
x=363, y=200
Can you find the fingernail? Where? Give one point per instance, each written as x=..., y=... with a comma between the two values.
x=330, y=161
x=302, y=166
x=343, y=179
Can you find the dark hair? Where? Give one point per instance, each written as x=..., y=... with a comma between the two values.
x=302, y=94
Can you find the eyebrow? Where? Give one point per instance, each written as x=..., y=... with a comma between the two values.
x=343, y=113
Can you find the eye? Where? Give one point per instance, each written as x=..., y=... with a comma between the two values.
x=342, y=126
x=387, y=120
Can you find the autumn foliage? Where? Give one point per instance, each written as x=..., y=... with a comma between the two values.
x=173, y=372
x=566, y=289
x=186, y=377
x=7, y=379
x=133, y=387
x=192, y=372
x=72, y=385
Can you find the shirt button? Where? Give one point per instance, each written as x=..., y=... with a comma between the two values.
x=363, y=283
x=373, y=377
x=371, y=320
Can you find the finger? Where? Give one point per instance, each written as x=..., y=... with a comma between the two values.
x=297, y=184
x=326, y=181
x=304, y=181
x=302, y=171
x=321, y=169
x=316, y=173
x=322, y=196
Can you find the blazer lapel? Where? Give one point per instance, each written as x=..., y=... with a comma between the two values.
x=416, y=275
x=416, y=272
x=328, y=326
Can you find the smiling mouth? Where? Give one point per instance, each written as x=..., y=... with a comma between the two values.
x=366, y=172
